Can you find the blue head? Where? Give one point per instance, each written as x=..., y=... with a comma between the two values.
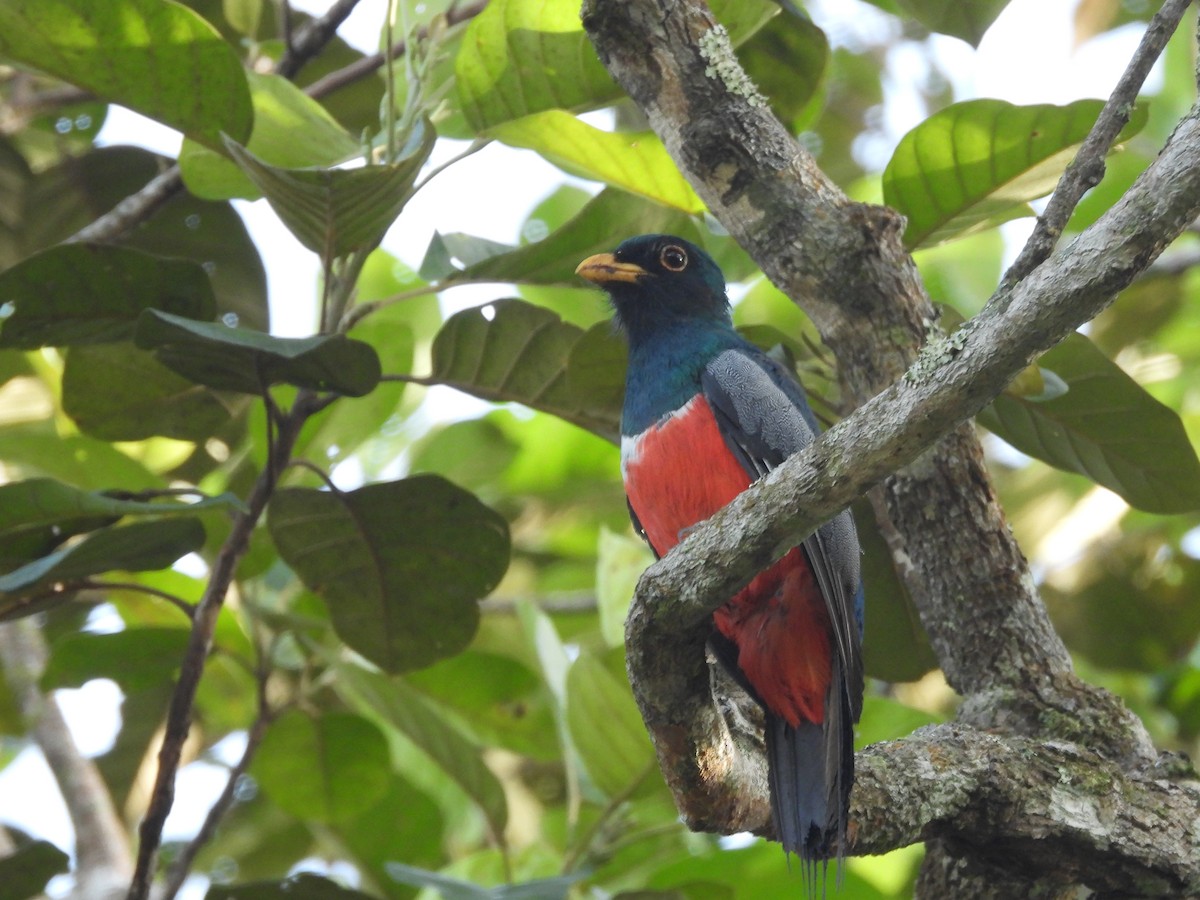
x=659, y=283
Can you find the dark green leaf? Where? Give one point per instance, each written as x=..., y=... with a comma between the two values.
x=114, y=392
x=90, y=293
x=966, y=19
x=401, y=564
x=302, y=886
x=471, y=453
x=406, y=710
x=136, y=658
x=240, y=359
x=403, y=822
x=787, y=60
x=157, y=58
x=521, y=352
x=1105, y=427
x=25, y=871
x=139, y=547
x=335, y=211
x=975, y=164
x=37, y=502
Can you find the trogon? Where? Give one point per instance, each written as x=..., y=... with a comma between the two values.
x=706, y=414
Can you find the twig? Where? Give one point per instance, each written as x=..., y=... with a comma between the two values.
x=1086, y=170
x=133, y=210
x=179, y=714
x=571, y=860
x=188, y=609
x=316, y=470
x=306, y=42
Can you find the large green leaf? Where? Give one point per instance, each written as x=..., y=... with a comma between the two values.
x=526, y=56
x=636, y=162
x=335, y=211
x=787, y=59
x=401, y=564
x=281, y=112
x=618, y=753
x=512, y=350
x=397, y=704
x=91, y=293
x=240, y=359
x=154, y=56
x=116, y=393
x=323, y=768
x=38, y=502
x=139, y=547
x=605, y=221
x=83, y=461
x=976, y=164
x=457, y=889
x=25, y=871
x=301, y=886
x=1105, y=427
x=135, y=658
x=966, y=19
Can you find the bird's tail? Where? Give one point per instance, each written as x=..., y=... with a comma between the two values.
x=811, y=771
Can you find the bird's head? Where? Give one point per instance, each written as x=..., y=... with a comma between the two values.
x=658, y=280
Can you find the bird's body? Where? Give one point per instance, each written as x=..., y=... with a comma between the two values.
x=706, y=414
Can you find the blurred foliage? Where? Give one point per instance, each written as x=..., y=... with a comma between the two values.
x=434, y=646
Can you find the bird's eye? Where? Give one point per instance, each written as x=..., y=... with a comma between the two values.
x=673, y=258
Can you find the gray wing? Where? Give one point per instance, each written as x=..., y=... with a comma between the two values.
x=764, y=419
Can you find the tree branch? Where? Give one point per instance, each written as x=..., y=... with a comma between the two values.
x=101, y=846
x=845, y=264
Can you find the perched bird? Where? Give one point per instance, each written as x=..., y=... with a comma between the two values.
x=706, y=414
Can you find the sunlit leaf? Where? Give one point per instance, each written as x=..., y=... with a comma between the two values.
x=520, y=352
x=1105, y=427
x=116, y=393
x=403, y=708
x=401, y=564
x=335, y=211
x=619, y=752
x=620, y=561
x=91, y=293
x=323, y=768
x=977, y=163
x=636, y=162
x=281, y=111
x=156, y=57
x=241, y=359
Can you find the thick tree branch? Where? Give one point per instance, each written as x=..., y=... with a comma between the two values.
x=844, y=263
x=101, y=845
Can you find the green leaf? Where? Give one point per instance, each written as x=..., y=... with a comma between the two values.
x=396, y=703
x=324, y=768
x=975, y=164
x=884, y=719
x=76, y=458
x=787, y=60
x=619, y=752
x=620, y=561
x=401, y=564
x=336, y=211
x=281, y=112
x=240, y=359
x=38, y=502
x=25, y=871
x=966, y=19
x=527, y=56
x=136, y=658
x=91, y=293
x=156, y=57
x=636, y=162
x=605, y=221
x=301, y=886
x=116, y=393
x=140, y=547
x=521, y=352
x=1105, y=427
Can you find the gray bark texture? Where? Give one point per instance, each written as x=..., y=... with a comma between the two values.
x=1045, y=785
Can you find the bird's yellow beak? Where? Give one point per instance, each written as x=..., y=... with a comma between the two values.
x=604, y=268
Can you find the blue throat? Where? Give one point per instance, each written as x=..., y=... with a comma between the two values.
x=665, y=366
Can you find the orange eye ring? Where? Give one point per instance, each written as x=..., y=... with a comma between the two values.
x=673, y=258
